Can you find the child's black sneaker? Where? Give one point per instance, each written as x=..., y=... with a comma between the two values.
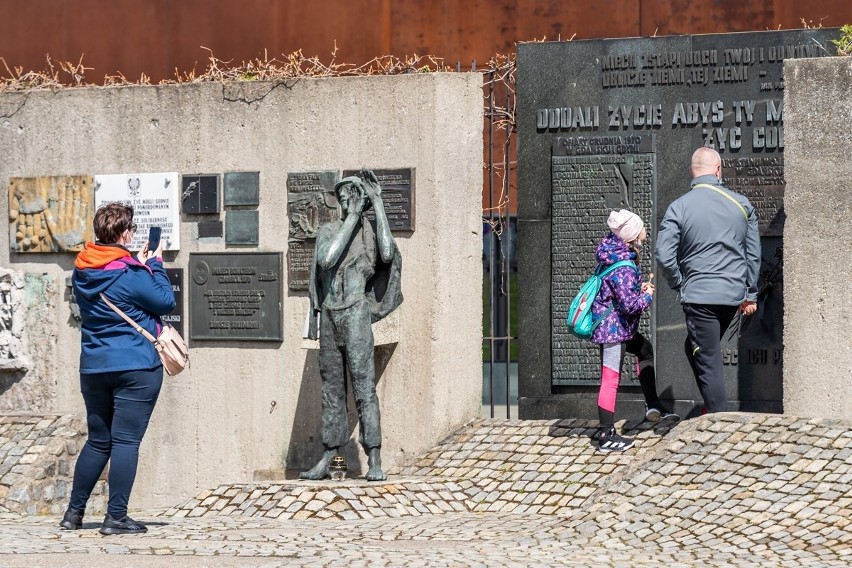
x=659, y=413
x=609, y=441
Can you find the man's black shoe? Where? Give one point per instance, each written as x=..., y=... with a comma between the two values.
x=122, y=526
x=71, y=521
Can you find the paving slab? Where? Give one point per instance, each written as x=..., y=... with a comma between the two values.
x=723, y=490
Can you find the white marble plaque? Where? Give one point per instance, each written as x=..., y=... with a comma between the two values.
x=155, y=199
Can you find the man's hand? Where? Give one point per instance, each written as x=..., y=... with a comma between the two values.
x=747, y=308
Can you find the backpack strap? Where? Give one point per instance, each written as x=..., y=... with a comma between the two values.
x=613, y=266
x=722, y=192
x=603, y=273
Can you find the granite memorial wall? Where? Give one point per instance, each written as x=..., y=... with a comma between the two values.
x=608, y=124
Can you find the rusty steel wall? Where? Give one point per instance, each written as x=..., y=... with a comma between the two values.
x=155, y=37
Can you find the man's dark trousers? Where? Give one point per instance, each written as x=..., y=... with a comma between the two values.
x=705, y=326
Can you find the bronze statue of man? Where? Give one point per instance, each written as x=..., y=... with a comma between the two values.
x=355, y=280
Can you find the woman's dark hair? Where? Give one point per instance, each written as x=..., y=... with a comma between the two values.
x=111, y=220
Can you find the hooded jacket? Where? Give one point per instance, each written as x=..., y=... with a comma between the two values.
x=622, y=291
x=142, y=291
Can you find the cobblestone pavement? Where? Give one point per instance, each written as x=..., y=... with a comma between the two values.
x=722, y=490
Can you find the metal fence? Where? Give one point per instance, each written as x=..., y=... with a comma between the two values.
x=499, y=241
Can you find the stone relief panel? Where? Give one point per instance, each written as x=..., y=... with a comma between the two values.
x=50, y=214
x=310, y=203
x=28, y=335
x=12, y=357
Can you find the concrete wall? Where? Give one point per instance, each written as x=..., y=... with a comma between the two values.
x=249, y=406
x=818, y=238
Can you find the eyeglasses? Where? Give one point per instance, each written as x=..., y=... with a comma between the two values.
x=132, y=227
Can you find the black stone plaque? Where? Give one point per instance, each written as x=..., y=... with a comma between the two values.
x=591, y=176
x=397, y=196
x=175, y=318
x=242, y=228
x=242, y=189
x=235, y=296
x=209, y=229
x=200, y=194
x=596, y=117
x=310, y=203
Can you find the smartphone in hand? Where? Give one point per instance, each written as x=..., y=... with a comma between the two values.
x=154, y=238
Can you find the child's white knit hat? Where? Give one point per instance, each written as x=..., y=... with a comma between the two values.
x=625, y=225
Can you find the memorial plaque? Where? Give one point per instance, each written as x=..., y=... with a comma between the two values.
x=591, y=176
x=155, y=202
x=242, y=189
x=242, y=228
x=200, y=194
x=50, y=214
x=210, y=229
x=310, y=203
x=397, y=196
x=235, y=296
x=175, y=317
x=596, y=117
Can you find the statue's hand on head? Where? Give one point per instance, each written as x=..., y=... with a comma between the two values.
x=371, y=183
x=357, y=202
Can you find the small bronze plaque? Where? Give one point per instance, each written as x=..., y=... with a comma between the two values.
x=210, y=229
x=300, y=254
x=397, y=196
x=242, y=189
x=242, y=228
x=310, y=203
x=200, y=194
x=175, y=318
x=235, y=296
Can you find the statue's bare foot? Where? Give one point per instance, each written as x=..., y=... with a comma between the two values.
x=321, y=470
x=374, y=462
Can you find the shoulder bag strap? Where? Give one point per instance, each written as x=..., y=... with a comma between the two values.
x=722, y=192
x=135, y=325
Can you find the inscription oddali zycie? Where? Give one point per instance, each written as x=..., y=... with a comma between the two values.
x=585, y=188
x=709, y=115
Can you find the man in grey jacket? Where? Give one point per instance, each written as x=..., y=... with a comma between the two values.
x=708, y=247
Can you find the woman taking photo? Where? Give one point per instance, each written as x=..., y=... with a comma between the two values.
x=120, y=371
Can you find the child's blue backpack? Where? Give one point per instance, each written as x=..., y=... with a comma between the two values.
x=581, y=321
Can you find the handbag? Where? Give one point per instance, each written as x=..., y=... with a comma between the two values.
x=169, y=344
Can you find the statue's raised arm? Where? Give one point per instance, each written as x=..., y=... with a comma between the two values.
x=383, y=232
